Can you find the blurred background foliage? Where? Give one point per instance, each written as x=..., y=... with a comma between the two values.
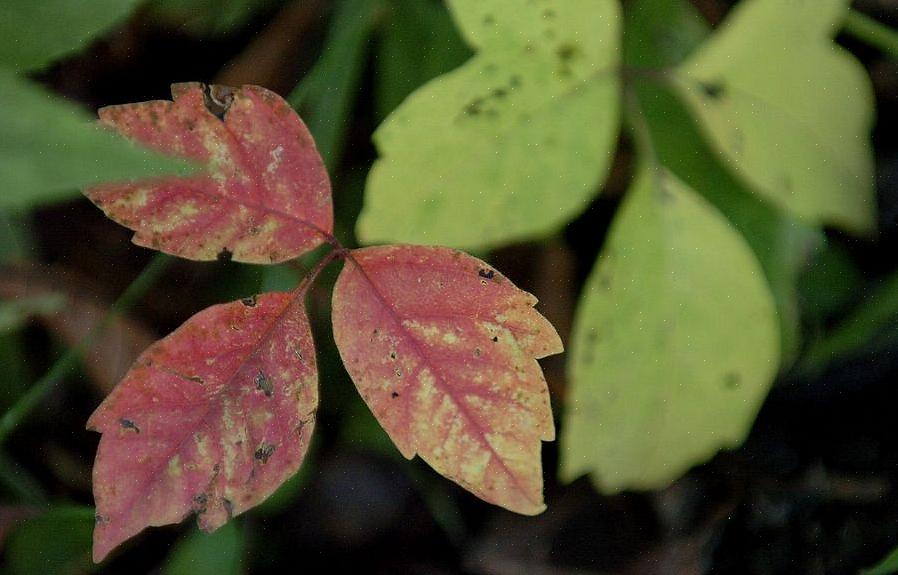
x=811, y=490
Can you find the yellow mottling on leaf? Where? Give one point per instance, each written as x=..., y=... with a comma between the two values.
x=174, y=466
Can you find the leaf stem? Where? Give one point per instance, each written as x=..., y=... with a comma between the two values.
x=300, y=291
x=872, y=32
x=645, y=144
x=31, y=398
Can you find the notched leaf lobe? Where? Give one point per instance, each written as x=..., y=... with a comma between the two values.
x=443, y=349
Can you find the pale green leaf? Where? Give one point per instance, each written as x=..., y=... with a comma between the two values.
x=788, y=109
x=661, y=33
x=34, y=33
x=511, y=145
x=675, y=344
x=50, y=148
x=198, y=553
x=782, y=243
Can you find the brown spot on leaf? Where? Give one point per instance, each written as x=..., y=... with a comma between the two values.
x=264, y=384
x=228, y=507
x=486, y=274
x=712, y=90
x=218, y=99
x=128, y=424
x=224, y=255
x=200, y=503
x=264, y=452
x=249, y=301
x=732, y=380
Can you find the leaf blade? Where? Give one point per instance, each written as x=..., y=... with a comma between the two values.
x=659, y=382
x=449, y=367
x=265, y=197
x=211, y=420
x=36, y=33
x=790, y=111
x=50, y=147
x=512, y=159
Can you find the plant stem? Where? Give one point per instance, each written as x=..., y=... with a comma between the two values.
x=302, y=289
x=31, y=398
x=872, y=32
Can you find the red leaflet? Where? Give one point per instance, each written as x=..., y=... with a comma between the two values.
x=264, y=196
x=210, y=420
x=442, y=348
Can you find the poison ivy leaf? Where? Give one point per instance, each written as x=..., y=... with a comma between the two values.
x=782, y=244
x=512, y=144
x=417, y=43
x=443, y=350
x=662, y=34
x=326, y=95
x=264, y=198
x=50, y=147
x=210, y=420
x=220, y=553
x=56, y=541
x=33, y=34
x=675, y=342
x=788, y=109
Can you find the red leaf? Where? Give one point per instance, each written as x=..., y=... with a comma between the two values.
x=263, y=198
x=442, y=348
x=211, y=419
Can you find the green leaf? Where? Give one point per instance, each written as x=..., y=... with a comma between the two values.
x=887, y=566
x=326, y=95
x=782, y=244
x=660, y=33
x=16, y=240
x=873, y=326
x=830, y=284
x=675, y=343
x=789, y=110
x=417, y=43
x=14, y=313
x=50, y=148
x=218, y=553
x=206, y=17
x=16, y=374
x=511, y=145
x=56, y=541
x=33, y=34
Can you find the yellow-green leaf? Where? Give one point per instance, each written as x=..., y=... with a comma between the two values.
x=788, y=109
x=511, y=145
x=675, y=344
